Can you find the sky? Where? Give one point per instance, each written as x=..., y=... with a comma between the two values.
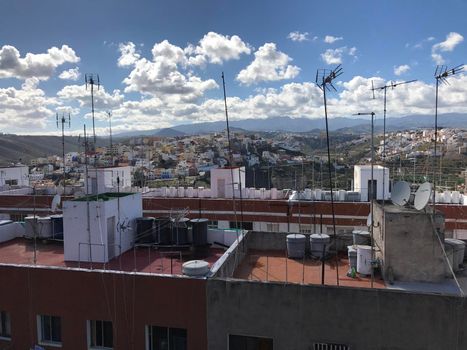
x=160, y=62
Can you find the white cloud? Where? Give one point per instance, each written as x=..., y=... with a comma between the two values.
x=452, y=40
x=25, y=109
x=399, y=70
x=102, y=99
x=41, y=66
x=70, y=74
x=128, y=54
x=269, y=64
x=297, y=36
x=335, y=56
x=216, y=48
x=164, y=75
x=329, y=39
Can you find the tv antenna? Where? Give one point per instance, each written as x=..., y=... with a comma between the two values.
x=371, y=193
x=324, y=80
x=442, y=73
x=63, y=120
x=91, y=80
x=385, y=88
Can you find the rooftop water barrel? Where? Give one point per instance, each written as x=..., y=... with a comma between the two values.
x=273, y=193
x=319, y=242
x=458, y=252
x=180, y=231
x=296, y=245
x=189, y=192
x=172, y=191
x=308, y=194
x=200, y=231
x=364, y=259
x=341, y=195
x=181, y=192
x=161, y=231
x=195, y=268
x=455, y=197
x=30, y=224
x=449, y=249
x=352, y=254
x=318, y=194
x=361, y=237
x=200, y=192
x=447, y=196
x=57, y=226
x=144, y=230
x=44, y=225
x=245, y=193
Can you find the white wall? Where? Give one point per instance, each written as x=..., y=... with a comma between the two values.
x=225, y=174
x=76, y=237
x=18, y=173
x=362, y=174
x=107, y=179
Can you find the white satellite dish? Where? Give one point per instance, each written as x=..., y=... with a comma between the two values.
x=55, y=203
x=422, y=196
x=400, y=193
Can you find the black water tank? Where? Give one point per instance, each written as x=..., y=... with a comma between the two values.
x=144, y=230
x=162, y=230
x=200, y=231
x=180, y=231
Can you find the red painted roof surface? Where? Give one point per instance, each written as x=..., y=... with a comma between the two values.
x=141, y=259
x=272, y=265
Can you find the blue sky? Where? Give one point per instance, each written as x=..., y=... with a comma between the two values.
x=172, y=54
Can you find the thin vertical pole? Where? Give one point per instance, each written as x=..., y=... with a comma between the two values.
x=372, y=195
x=434, y=155
x=330, y=179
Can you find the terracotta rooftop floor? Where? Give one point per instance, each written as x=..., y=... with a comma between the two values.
x=272, y=265
x=141, y=259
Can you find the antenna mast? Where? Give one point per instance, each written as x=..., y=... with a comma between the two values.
x=109, y=113
x=324, y=78
x=63, y=120
x=371, y=191
x=92, y=79
x=441, y=74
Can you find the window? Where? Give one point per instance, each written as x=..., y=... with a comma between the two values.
x=5, y=325
x=212, y=224
x=272, y=227
x=241, y=342
x=11, y=182
x=164, y=338
x=49, y=329
x=329, y=346
x=241, y=225
x=100, y=334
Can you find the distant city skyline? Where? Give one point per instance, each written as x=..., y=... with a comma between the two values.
x=160, y=62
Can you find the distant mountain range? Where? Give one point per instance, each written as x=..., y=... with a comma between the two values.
x=287, y=124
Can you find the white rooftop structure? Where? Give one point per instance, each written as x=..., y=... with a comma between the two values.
x=362, y=181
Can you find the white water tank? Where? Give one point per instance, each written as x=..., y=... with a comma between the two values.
x=195, y=268
x=308, y=194
x=189, y=192
x=262, y=192
x=458, y=248
x=447, y=196
x=164, y=191
x=352, y=254
x=455, y=197
x=319, y=242
x=44, y=227
x=318, y=194
x=364, y=259
x=341, y=195
x=200, y=192
x=273, y=193
x=181, y=192
x=296, y=245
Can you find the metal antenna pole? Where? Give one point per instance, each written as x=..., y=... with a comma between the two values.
x=88, y=217
x=324, y=78
x=371, y=192
x=441, y=75
x=63, y=121
x=110, y=131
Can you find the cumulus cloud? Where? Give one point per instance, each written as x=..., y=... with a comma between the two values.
x=25, y=109
x=41, y=66
x=399, y=70
x=70, y=74
x=297, y=36
x=452, y=40
x=269, y=64
x=102, y=99
x=165, y=75
x=128, y=54
x=329, y=39
x=216, y=48
x=335, y=56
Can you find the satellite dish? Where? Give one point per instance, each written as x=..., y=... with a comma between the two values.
x=400, y=193
x=422, y=196
x=55, y=203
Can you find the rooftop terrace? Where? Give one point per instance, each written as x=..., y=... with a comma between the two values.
x=140, y=259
